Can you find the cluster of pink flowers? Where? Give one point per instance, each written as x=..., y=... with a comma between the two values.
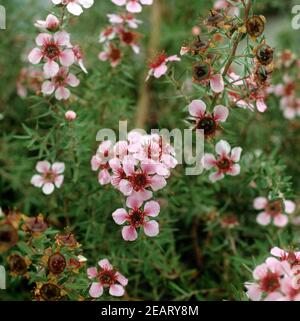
x=273, y=211
x=288, y=89
x=277, y=279
x=55, y=51
x=29, y=80
x=119, y=33
x=136, y=167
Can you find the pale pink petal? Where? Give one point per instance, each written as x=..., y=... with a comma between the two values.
x=128, y=166
x=129, y=233
x=43, y=167
x=148, y=167
x=96, y=290
x=67, y=57
x=234, y=170
x=147, y=2
x=95, y=162
x=35, y=56
x=236, y=154
x=116, y=290
x=74, y=8
x=59, y=180
x=260, y=203
x=144, y=195
x=160, y=71
x=103, y=56
x=120, y=216
x=37, y=180
x=62, y=93
x=104, y=177
x=217, y=83
x=223, y=148
x=276, y=251
x=261, y=105
x=121, y=279
x=254, y=292
x=92, y=272
x=289, y=206
x=62, y=38
x=43, y=38
x=260, y=271
x=58, y=167
x=151, y=228
x=209, y=161
x=51, y=68
x=119, y=2
x=216, y=176
x=221, y=113
x=48, y=188
x=157, y=182
x=72, y=80
x=152, y=208
x=48, y=87
x=263, y=219
x=197, y=108
x=173, y=58
x=105, y=264
x=134, y=202
x=115, y=164
x=133, y=6
x=125, y=187
x=280, y=220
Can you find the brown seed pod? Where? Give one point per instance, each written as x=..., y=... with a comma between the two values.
x=50, y=292
x=264, y=54
x=8, y=236
x=198, y=46
x=17, y=264
x=255, y=26
x=56, y=263
x=214, y=19
x=201, y=71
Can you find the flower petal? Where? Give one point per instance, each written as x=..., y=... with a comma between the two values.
x=217, y=83
x=260, y=203
x=152, y=208
x=48, y=188
x=116, y=290
x=151, y=228
x=129, y=233
x=197, y=108
x=43, y=167
x=263, y=219
x=96, y=290
x=223, y=148
x=221, y=113
x=120, y=216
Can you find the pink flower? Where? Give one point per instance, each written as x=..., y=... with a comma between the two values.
x=127, y=18
x=130, y=39
x=139, y=179
x=287, y=89
x=133, y=6
x=291, y=256
x=101, y=161
x=51, y=23
x=107, y=34
x=231, y=10
x=207, y=122
x=79, y=57
x=75, y=6
x=70, y=115
x=59, y=83
x=137, y=218
x=158, y=67
x=52, y=48
x=49, y=175
x=267, y=278
x=106, y=277
x=111, y=53
x=273, y=211
x=225, y=163
x=290, y=106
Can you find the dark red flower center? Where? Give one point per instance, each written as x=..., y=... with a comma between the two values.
x=201, y=72
x=56, y=263
x=51, y=50
x=270, y=282
x=114, y=53
x=159, y=60
x=136, y=218
x=127, y=37
x=107, y=277
x=50, y=292
x=139, y=181
x=224, y=163
x=208, y=125
x=17, y=264
x=274, y=208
